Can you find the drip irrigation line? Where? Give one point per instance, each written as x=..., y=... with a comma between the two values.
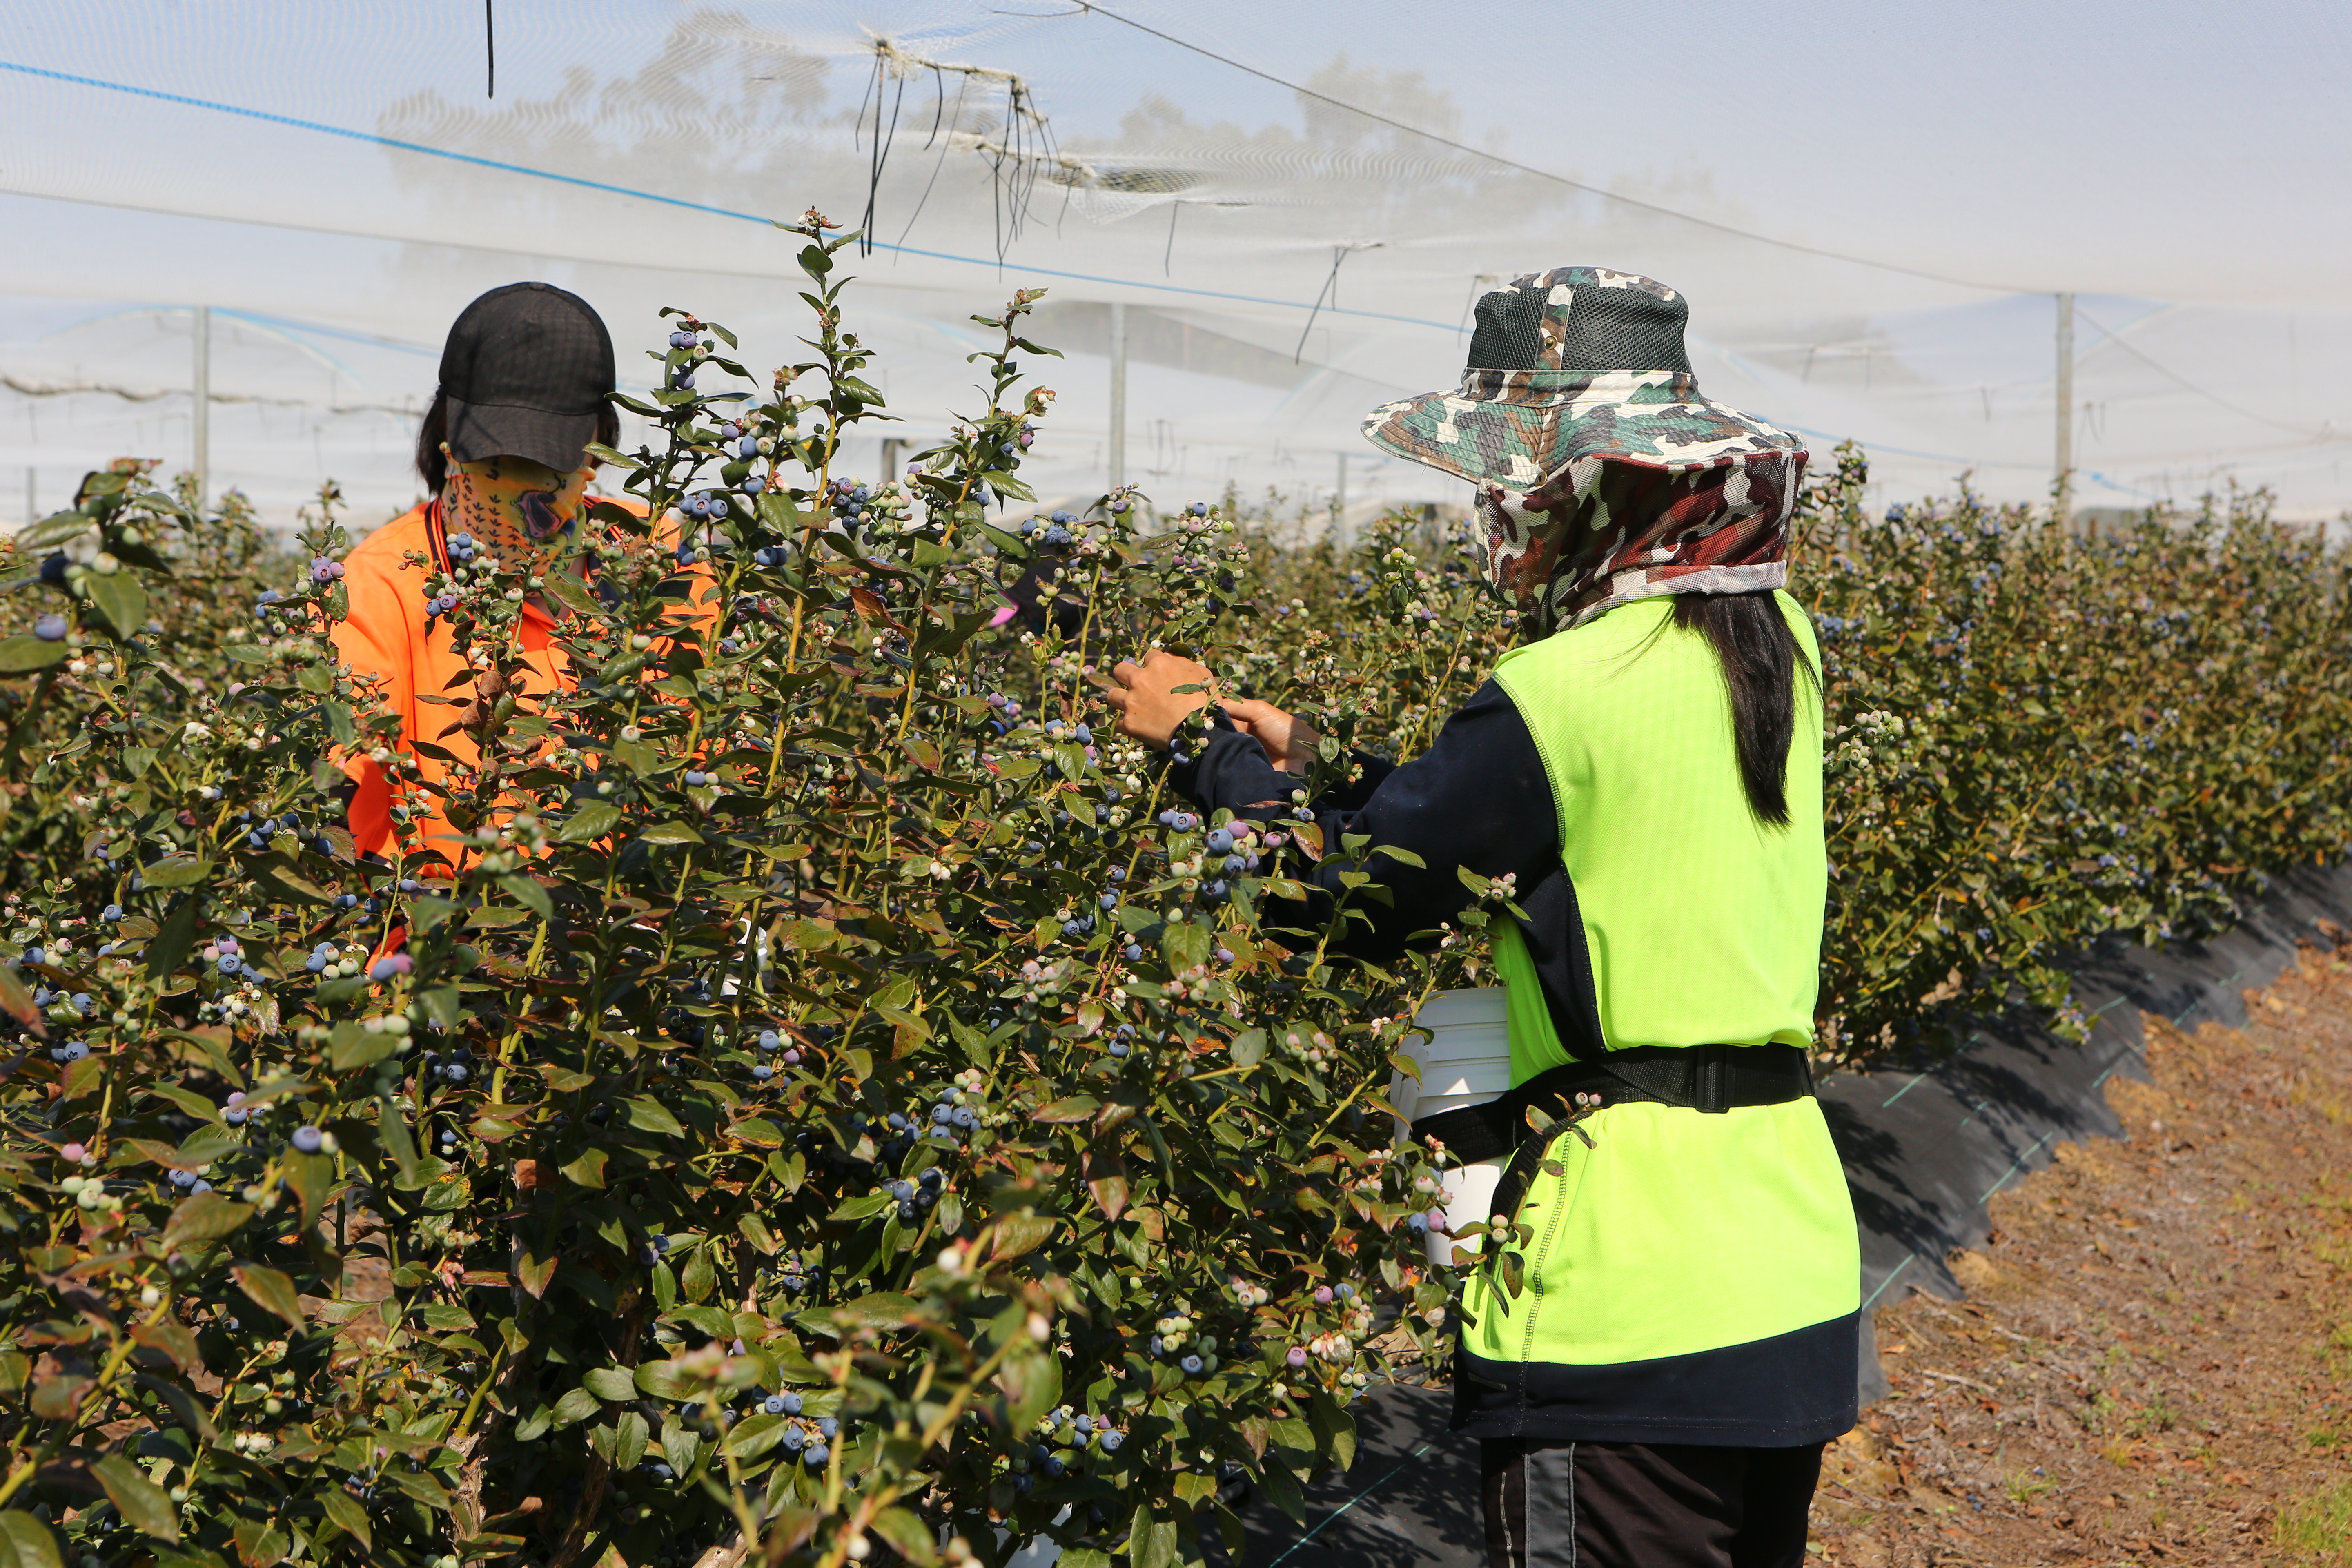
x=1091, y=8
x=503, y=167
x=1351, y=1502
x=490, y=43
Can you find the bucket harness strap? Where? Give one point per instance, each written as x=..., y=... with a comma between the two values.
x=1710, y=1078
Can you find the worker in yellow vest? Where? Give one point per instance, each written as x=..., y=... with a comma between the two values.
x=1654, y=1373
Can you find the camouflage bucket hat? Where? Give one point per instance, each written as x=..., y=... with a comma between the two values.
x=1569, y=369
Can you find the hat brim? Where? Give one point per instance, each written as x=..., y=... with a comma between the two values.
x=479, y=430
x=1521, y=428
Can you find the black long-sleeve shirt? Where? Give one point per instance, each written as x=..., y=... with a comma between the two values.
x=1479, y=798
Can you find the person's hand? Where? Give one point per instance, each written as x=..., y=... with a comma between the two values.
x=1148, y=706
x=1289, y=741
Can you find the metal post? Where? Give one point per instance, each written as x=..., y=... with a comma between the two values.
x=2065, y=404
x=201, y=431
x=1339, y=504
x=1117, y=395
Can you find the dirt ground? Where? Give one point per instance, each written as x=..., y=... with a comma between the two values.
x=2154, y=1360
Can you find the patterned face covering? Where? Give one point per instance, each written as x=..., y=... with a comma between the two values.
x=1591, y=539
x=519, y=510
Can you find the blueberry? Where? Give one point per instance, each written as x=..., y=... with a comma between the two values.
x=768, y=1039
x=941, y=1114
x=794, y=1437
x=1219, y=841
x=791, y=1405
x=1135, y=952
x=1110, y=1442
x=49, y=629
x=455, y=1072
x=307, y=1140
x=1191, y=1363
x=1083, y=1424
x=228, y=964
x=1118, y=1047
x=763, y=1071
x=966, y=1119
x=816, y=1456
x=773, y=1404
x=112, y=912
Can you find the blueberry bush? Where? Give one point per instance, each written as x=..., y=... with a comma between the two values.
x=2039, y=737
x=839, y=1107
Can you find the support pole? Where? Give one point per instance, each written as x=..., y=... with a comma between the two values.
x=201, y=414
x=2065, y=479
x=1117, y=395
x=1339, y=504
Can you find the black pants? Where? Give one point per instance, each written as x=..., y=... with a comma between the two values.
x=1632, y=1505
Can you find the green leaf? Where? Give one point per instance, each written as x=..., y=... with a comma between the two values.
x=25, y=652
x=57, y=527
x=591, y=821
x=347, y=1513
x=652, y=1116
x=26, y=1542
x=204, y=1219
x=1071, y=1108
x=1247, y=1048
x=670, y=833
x=612, y=1383
x=1155, y=1544
x=173, y=941
x=749, y=1439
x=141, y=1503
x=120, y=598
x=176, y=871
x=587, y=1170
x=577, y=1405
x=268, y=1289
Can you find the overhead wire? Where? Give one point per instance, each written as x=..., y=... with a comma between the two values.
x=1091, y=7
x=2213, y=397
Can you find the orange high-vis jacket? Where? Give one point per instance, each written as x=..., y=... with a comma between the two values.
x=388, y=635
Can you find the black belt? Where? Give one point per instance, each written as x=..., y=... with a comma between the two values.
x=1699, y=1077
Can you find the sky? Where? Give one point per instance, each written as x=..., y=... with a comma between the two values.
x=1870, y=207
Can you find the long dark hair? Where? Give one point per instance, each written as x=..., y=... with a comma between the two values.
x=433, y=466
x=1759, y=656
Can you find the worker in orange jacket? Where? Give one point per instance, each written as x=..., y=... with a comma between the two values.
x=527, y=378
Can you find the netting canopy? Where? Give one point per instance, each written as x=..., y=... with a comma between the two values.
x=1881, y=214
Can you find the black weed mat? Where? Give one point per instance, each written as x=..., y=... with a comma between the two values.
x=1925, y=1151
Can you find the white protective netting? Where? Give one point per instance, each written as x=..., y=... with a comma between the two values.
x=334, y=184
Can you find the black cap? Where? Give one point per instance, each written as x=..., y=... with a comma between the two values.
x=526, y=371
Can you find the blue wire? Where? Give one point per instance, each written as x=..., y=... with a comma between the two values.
x=524, y=169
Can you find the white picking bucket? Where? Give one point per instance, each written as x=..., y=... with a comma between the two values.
x=1464, y=1059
